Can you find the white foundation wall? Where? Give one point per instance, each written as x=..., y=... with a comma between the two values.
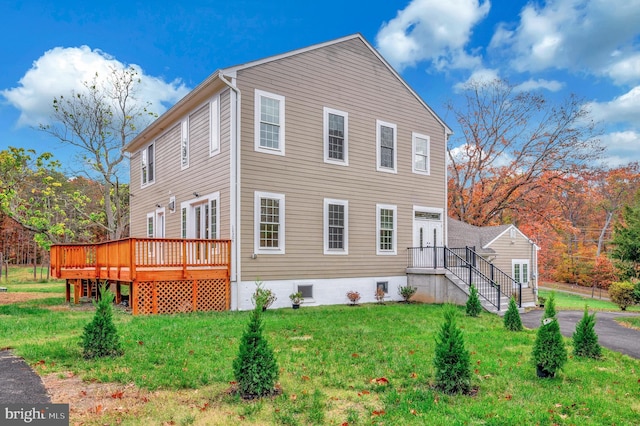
x=325, y=291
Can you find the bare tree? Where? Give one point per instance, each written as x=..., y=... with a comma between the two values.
x=100, y=120
x=512, y=143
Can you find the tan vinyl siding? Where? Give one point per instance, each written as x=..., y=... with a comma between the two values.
x=508, y=249
x=204, y=175
x=347, y=77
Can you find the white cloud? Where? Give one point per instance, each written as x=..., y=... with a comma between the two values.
x=623, y=109
x=530, y=85
x=596, y=36
x=432, y=30
x=479, y=76
x=622, y=147
x=63, y=70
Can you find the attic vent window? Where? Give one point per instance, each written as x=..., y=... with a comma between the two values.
x=512, y=233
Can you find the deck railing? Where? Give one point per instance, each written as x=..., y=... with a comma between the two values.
x=131, y=254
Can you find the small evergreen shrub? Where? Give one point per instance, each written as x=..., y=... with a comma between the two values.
x=512, y=321
x=407, y=292
x=473, y=302
x=549, y=352
x=622, y=294
x=452, y=360
x=585, y=339
x=255, y=368
x=636, y=292
x=550, y=307
x=100, y=338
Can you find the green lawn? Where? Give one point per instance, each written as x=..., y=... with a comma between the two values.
x=576, y=302
x=329, y=358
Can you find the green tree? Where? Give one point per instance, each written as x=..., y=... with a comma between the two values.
x=512, y=319
x=255, y=368
x=473, y=302
x=40, y=198
x=626, y=240
x=549, y=351
x=100, y=337
x=100, y=120
x=451, y=361
x=585, y=339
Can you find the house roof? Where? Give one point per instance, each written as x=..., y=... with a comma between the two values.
x=461, y=234
x=216, y=81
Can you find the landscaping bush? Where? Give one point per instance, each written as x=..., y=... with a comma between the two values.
x=255, y=368
x=512, y=319
x=100, y=337
x=451, y=361
x=473, y=302
x=622, y=294
x=636, y=292
x=407, y=292
x=585, y=339
x=549, y=352
x=263, y=296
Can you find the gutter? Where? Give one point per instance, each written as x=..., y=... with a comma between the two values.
x=236, y=276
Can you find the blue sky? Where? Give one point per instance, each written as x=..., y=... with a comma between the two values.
x=589, y=47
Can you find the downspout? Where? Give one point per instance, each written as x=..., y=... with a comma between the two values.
x=236, y=276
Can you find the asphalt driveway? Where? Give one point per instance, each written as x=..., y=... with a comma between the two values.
x=610, y=334
x=20, y=384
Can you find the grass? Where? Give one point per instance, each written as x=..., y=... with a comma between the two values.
x=329, y=359
x=569, y=301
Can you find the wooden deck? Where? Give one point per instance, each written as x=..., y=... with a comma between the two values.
x=164, y=275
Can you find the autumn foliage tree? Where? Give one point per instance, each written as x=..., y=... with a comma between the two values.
x=512, y=144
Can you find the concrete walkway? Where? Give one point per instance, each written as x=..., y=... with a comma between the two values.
x=610, y=334
x=19, y=384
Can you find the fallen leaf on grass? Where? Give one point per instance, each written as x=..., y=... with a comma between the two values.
x=380, y=381
x=305, y=378
x=414, y=375
x=117, y=395
x=355, y=355
x=378, y=412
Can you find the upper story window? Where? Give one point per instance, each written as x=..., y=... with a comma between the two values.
x=386, y=142
x=269, y=123
x=336, y=226
x=214, y=126
x=387, y=229
x=148, y=165
x=421, y=155
x=269, y=223
x=184, y=144
x=336, y=137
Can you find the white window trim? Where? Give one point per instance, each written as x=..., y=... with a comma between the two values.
x=184, y=141
x=214, y=126
x=256, y=223
x=189, y=204
x=258, y=147
x=521, y=262
x=379, y=251
x=143, y=156
x=415, y=136
x=327, y=159
x=379, y=168
x=345, y=250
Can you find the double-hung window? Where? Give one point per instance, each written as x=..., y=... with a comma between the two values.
x=184, y=144
x=420, y=154
x=336, y=226
x=386, y=142
x=386, y=229
x=269, y=218
x=269, y=123
x=148, y=164
x=336, y=136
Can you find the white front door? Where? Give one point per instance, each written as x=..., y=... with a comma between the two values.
x=427, y=233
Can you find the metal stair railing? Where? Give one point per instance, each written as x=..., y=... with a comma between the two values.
x=491, y=282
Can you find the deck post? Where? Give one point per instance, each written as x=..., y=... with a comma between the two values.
x=133, y=297
x=154, y=298
x=67, y=294
x=118, y=293
x=76, y=291
x=195, y=295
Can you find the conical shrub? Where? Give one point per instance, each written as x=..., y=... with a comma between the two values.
x=585, y=339
x=512, y=319
x=451, y=361
x=255, y=368
x=100, y=337
x=549, y=351
x=473, y=302
x=550, y=307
